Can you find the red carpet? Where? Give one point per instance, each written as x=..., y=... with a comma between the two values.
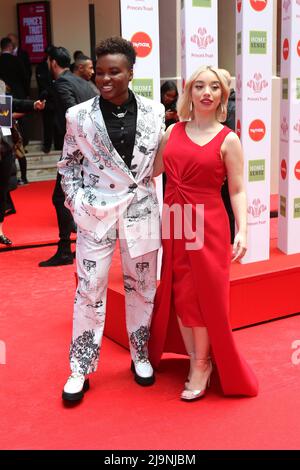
x=35, y=324
x=35, y=221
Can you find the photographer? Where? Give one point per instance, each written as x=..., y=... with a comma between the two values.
x=169, y=96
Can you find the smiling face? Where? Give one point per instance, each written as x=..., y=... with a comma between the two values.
x=206, y=92
x=113, y=74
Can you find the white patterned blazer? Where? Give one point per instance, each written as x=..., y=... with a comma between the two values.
x=100, y=189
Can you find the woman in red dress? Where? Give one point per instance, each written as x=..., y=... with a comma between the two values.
x=196, y=155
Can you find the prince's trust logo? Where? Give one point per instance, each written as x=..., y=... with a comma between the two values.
x=202, y=40
x=257, y=85
x=256, y=209
x=286, y=5
x=284, y=127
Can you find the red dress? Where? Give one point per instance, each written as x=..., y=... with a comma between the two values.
x=198, y=279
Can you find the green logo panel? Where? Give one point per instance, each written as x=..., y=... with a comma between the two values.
x=298, y=88
x=257, y=170
x=297, y=208
x=143, y=87
x=283, y=206
x=285, y=88
x=258, y=42
x=202, y=3
x=239, y=43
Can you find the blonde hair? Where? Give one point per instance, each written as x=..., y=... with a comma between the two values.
x=185, y=106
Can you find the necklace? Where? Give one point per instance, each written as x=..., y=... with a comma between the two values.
x=120, y=115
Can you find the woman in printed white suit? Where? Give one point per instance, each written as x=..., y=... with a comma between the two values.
x=106, y=171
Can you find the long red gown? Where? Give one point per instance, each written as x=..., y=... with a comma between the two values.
x=194, y=176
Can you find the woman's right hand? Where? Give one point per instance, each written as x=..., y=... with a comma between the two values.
x=171, y=115
x=239, y=246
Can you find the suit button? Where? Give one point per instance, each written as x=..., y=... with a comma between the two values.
x=101, y=167
x=112, y=186
x=103, y=203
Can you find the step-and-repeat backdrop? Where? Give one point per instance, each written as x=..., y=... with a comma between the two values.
x=289, y=174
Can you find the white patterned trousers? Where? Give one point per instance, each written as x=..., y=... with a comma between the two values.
x=93, y=257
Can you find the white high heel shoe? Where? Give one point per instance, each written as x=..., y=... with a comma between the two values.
x=194, y=394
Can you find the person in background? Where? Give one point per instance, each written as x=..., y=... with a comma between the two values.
x=75, y=57
x=84, y=68
x=169, y=97
x=24, y=123
x=13, y=73
x=196, y=154
x=23, y=57
x=69, y=90
x=46, y=91
x=7, y=159
x=230, y=122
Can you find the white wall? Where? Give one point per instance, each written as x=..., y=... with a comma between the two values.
x=107, y=18
x=70, y=24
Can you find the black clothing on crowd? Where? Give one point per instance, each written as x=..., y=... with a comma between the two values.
x=69, y=90
x=7, y=163
x=64, y=216
x=230, y=119
x=13, y=73
x=171, y=107
x=120, y=123
x=24, y=58
x=230, y=122
x=46, y=92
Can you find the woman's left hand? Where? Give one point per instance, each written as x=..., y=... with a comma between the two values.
x=239, y=246
x=39, y=105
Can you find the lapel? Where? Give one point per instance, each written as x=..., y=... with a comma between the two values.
x=101, y=131
x=145, y=127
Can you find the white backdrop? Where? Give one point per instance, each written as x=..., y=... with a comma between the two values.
x=199, y=35
x=289, y=174
x=140, y=25
x=254, y=24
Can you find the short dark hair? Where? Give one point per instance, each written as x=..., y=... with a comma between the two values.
x=61, y=55
x=77, y=54
x=48, y=49
x=81, y=59
x=5, y=42
x=169, y=85
x=117, y=45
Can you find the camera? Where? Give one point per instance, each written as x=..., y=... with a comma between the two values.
x=172, y=107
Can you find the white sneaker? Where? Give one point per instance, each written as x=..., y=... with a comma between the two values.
x=75, y=387
x=143, y=372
